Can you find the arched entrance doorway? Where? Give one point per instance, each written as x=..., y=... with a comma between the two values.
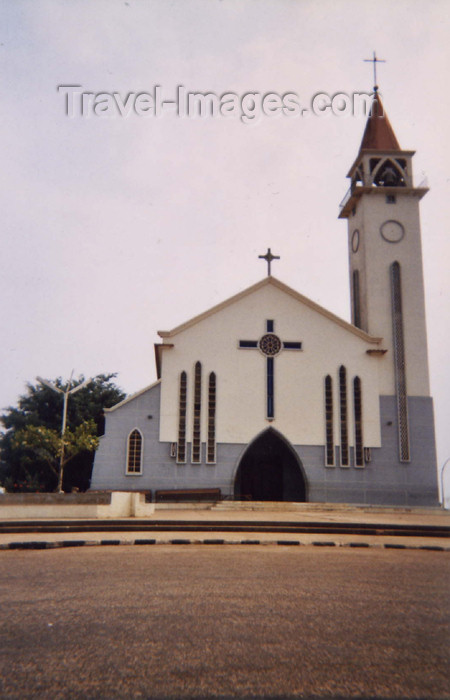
x=270, y=471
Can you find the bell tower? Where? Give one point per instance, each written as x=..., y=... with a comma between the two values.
x=385, y=256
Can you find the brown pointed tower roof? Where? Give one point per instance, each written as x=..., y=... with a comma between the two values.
x=379, y=134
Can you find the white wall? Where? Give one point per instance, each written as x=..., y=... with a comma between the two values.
x=241, y=373
x=373, y=260
x=122, y=505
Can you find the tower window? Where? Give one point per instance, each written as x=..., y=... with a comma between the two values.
x=270, y=388
x=373, y=163
x=356, y=300
x=343, y=416
x=357, y=407
x=387, y=174
x=399, y=361
x=329, y=435
x=196, y=440
x=134, y=452
x=211, y=446
x=391, y=199
x=181, y=447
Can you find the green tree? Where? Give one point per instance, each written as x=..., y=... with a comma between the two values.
x=30, y=457
x=48, y=446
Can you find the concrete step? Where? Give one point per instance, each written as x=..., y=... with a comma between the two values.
x=278, y=506
x=259, y=526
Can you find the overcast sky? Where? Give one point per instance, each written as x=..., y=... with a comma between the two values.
x=116, y=227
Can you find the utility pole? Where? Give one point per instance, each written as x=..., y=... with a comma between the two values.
x=66, y=393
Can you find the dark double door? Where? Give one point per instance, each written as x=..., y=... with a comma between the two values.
x=269, y=471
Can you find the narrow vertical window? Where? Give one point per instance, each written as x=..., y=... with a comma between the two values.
x=357, y=407
x=356, y=300
x=270, y=388
x=196, y=440
x=343, y=415
x=399, y=361
x=211, y=446
x=181, y=445
x=134, y=452
x=329, y=448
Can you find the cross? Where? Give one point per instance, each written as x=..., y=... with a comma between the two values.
x=374, y=60
x=269, y=257
x=271, y=346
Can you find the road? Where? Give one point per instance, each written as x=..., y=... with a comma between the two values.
x=221, y=621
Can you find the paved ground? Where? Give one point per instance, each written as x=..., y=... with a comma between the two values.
x=304, y=512
x=135, y=622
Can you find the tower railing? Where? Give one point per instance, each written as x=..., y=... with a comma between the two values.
x=348, y=194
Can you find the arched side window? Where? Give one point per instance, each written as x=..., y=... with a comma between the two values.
x=343, y=416
x=329, y=432
x=357, y=408
x=399, y=362
x=135, y=445
x=181, y=445
x=196, y=436
x=211, y=445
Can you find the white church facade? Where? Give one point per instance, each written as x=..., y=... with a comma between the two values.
x=269, y=396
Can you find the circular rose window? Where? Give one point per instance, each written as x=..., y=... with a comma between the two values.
x=270, y=344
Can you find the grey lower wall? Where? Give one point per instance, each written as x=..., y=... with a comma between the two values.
x=383, y=480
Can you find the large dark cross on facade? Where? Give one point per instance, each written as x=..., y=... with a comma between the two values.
x=270, y=345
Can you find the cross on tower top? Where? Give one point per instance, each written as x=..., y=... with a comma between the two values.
x=268, y=257
x=374, y=60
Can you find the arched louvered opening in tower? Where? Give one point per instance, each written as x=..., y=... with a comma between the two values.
x=356, y=300
x=400, y=363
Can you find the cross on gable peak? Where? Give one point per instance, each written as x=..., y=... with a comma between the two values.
x=268, y=257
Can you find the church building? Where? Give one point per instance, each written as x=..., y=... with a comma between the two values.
x=270, y=397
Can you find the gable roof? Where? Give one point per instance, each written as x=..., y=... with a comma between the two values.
x=132, y=397
x=282, y=287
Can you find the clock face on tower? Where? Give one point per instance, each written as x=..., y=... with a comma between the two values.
x=355, y=240
x=392, y=231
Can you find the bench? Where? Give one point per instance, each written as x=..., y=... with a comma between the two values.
x=186, y=495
